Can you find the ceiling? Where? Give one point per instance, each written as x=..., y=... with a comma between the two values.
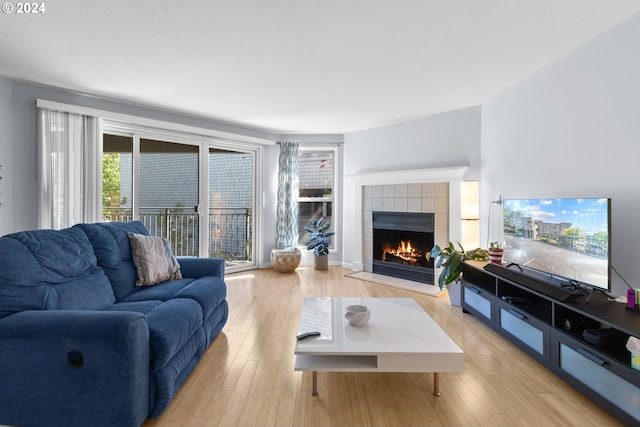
x=308, y=66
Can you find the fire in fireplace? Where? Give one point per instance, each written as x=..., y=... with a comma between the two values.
x=404, y=253
x=400, y=242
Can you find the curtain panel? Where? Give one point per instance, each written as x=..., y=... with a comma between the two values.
x=287, y=203
x=69, y=168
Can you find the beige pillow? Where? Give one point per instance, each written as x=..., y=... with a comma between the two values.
x=154, y=260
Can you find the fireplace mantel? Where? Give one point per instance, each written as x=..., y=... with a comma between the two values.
x=452, y=175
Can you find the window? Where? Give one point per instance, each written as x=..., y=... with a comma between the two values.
x=117, y=177
x=316, y=175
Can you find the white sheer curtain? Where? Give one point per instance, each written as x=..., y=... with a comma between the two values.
x=69, y=168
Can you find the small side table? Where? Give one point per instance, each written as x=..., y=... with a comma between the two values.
x=285, y=260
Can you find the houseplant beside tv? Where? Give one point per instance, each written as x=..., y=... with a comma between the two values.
x=450, y=259
x=319, y=242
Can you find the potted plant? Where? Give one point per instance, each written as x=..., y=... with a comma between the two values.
x=319, y=242
x=495, y=252
x=450, y=259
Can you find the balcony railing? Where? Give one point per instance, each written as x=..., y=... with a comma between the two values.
x=229, y=229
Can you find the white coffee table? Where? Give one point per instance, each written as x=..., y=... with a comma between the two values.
x=399, y=337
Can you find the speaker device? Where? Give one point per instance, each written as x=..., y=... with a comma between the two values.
x=579, y=323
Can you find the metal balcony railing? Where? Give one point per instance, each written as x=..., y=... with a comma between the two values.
x=229, y=229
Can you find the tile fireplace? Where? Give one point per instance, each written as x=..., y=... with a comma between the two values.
x=434, y=190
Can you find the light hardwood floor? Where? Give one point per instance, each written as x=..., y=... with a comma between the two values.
x=246, y=377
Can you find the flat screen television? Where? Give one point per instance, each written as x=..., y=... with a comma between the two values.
x=565, y=239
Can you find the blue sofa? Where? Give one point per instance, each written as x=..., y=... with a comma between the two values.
x=81, y=344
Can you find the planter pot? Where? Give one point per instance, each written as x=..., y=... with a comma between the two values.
x=454, y=289
x=285, y=260
x=495, y=255
x=321, y=262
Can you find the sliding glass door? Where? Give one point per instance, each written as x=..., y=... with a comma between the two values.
x=231, y=206
x=167, y=196
x=156, y=182
x=202, y=203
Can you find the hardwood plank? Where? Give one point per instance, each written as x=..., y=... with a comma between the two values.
x=240, y=397
x=246, y=377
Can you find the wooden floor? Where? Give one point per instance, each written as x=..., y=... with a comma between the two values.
x=246, y=377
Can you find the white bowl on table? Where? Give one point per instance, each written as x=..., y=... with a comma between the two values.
x=357, y=315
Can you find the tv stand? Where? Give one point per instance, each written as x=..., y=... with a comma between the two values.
x=547, y=323
x=550, y=290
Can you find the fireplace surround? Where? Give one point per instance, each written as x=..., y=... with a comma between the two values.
x=358, y=212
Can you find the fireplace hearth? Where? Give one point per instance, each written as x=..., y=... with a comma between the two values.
x=400, y=242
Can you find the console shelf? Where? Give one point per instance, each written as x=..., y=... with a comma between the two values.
x=547, y=323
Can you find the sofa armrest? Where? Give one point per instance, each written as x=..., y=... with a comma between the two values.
x=68, y=367
x=194, y=268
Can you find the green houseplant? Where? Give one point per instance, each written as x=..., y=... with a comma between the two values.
x=450, y=260
x=319, y=242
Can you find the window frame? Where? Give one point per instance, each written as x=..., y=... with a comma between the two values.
x=336, y=221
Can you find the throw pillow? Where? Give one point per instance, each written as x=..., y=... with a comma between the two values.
x=153, y=259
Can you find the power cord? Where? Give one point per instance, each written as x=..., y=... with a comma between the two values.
x=620, y=276
x=497, y=202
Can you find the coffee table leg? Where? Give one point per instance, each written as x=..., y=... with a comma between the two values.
x=436, y=384
x=314, y=389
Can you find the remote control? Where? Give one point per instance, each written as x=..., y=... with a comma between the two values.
x=307, y=335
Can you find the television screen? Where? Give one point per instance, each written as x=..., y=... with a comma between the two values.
x=566, y=238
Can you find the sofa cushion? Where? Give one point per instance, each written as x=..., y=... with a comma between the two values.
x=55, y=270
x=113, y=251
x=207, y=291
x=92, y=291
x=153, y=259
x=161, y=292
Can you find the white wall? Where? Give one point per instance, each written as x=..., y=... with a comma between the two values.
x=6, y=156
x=442, y=140
x=573, y=130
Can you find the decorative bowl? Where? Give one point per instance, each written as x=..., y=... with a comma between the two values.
x=285, y=260
x=357, y=315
